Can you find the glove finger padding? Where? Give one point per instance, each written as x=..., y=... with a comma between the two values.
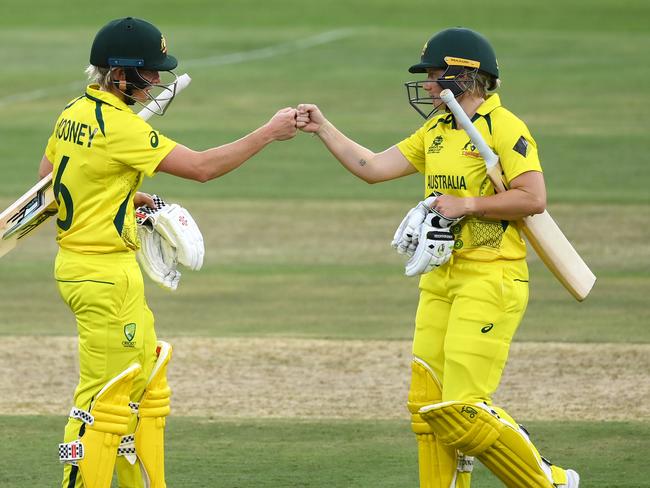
x=434, y=247
x=157, y=259
x=168, y=236
x=176, y=225
x=407, y=234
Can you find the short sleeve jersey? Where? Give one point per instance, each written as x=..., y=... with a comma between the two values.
x=452, y=165
x=101, y=151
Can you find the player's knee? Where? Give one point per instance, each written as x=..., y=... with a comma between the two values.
x=425, y=390
x=470, y=428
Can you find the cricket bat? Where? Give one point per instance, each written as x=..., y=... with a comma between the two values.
x=541, y=231
x=27, y=214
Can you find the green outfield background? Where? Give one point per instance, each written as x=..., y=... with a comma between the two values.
x=297, y=247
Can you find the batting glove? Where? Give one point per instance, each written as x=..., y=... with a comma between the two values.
x=407, y=235
x=434, y=247
x=168, y=236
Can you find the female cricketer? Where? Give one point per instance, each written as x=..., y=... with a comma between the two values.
x=463, y=240
x=99, y=152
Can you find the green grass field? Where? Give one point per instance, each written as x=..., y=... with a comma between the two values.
x=320, y=454
x=297, y=247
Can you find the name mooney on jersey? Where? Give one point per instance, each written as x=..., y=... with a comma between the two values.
x=77, y=132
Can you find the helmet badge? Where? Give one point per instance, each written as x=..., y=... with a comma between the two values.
x=163, y=44
x=469, y=63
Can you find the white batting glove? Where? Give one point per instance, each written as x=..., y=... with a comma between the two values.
x=168, y=236
x=434, y=247
x=407, y=235
x=405, y=239
x=158, y=259
x=178, y=228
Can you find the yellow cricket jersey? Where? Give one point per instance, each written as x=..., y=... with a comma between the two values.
x=452, y=165
x=101, y=151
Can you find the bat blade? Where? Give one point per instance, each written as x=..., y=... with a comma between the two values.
x=559, y=256
x=26, y=214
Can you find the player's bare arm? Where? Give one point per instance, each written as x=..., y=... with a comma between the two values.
x=526, y=196
x=371, y=167
x=212, y=163
x=45, y=168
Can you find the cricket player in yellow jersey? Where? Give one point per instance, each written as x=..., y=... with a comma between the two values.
x=464, y=242
x=99, y=152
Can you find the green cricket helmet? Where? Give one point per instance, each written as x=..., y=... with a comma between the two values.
x=462, y=53
x=131, y=43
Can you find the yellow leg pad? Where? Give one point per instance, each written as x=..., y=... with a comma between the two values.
x=100, y=440
x=150, y=432
x=437, y=462
x=476, y=431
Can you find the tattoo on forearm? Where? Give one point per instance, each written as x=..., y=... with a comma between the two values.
x=362, y=162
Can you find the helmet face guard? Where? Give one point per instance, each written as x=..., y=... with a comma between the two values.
x=458, y=78
x=419, y=97
x=155, y=93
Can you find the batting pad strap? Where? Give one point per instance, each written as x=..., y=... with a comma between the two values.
x=127, y=448
x=79, y=414
x=71, y=452
x=465, y=463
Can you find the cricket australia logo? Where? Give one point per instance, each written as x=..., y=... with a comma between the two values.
x=129, y=333
x=436, y=146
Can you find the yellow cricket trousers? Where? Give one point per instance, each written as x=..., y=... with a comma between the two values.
x=116, y=329
x=467, y=315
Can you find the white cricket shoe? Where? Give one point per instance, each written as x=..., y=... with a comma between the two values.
x=572, y=480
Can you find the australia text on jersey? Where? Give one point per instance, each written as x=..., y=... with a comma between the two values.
x=446, y=182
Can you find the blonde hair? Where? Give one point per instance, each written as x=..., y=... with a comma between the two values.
x=484, y=84
x=101, y=76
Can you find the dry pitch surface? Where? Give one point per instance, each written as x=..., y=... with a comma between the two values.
x=285, y=378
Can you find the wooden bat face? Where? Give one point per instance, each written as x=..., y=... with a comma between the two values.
x=26, y=214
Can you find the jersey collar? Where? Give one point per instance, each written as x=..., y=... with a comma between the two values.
x=492, y=102
x=94, y=93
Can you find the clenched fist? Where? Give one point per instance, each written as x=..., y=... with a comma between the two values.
x=282, y=125
x=309, y=118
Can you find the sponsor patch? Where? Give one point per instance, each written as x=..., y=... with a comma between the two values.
x=470, y=150
x=153, y=138
x=521, y=146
